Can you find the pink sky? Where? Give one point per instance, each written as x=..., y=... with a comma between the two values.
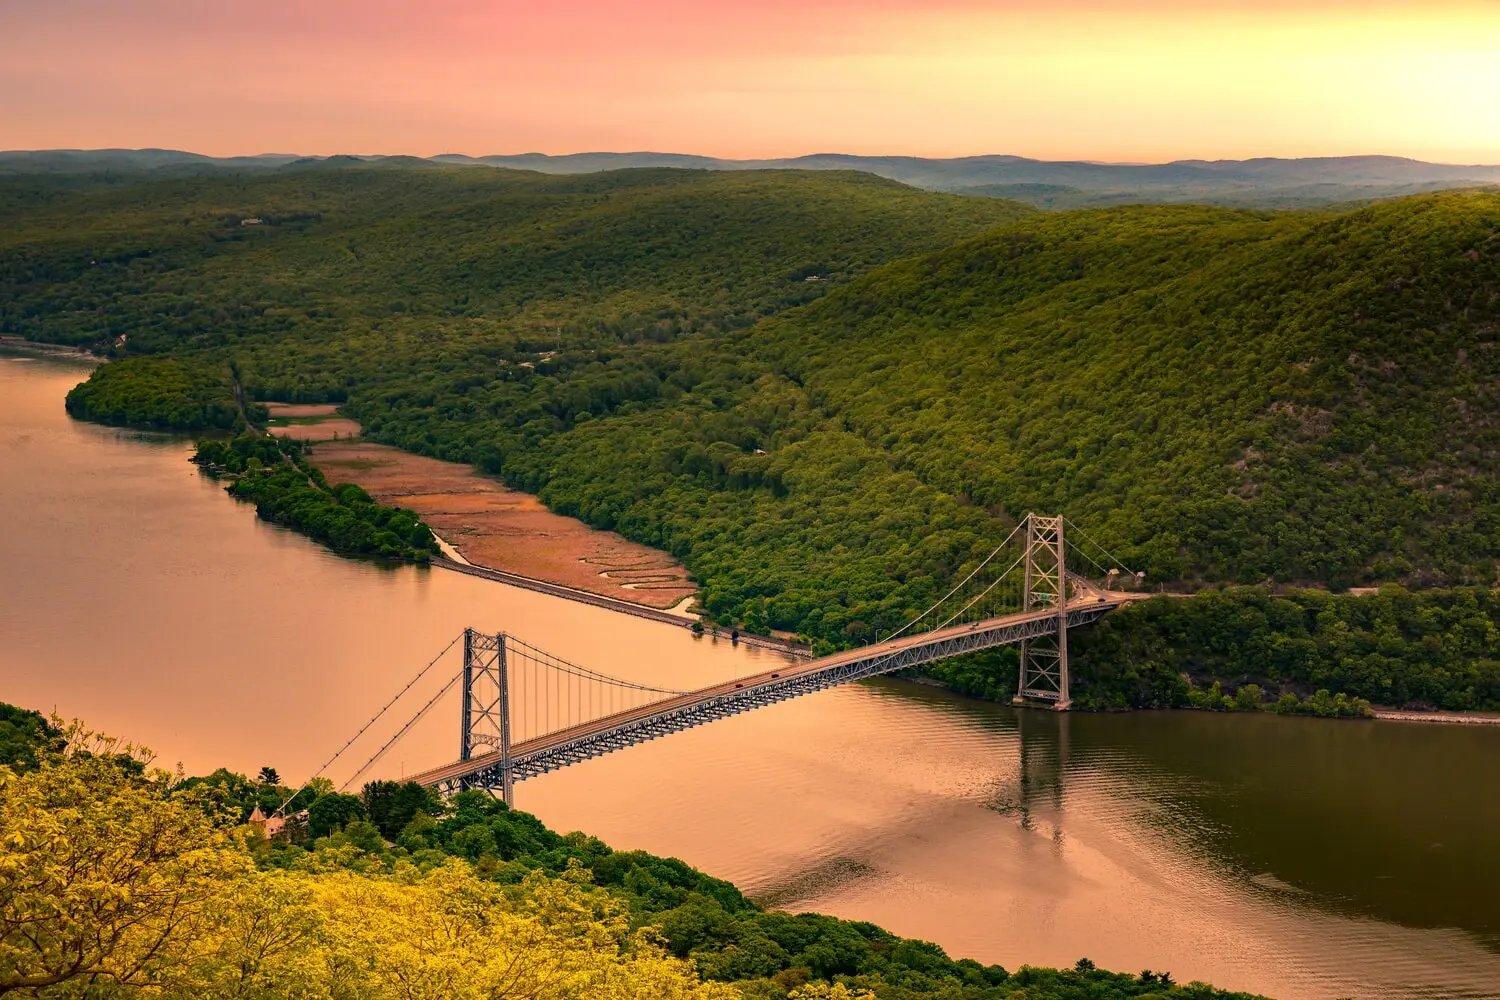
x=1091, y=79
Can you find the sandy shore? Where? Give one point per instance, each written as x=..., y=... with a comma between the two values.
x=489, y=530
x=1445, y=718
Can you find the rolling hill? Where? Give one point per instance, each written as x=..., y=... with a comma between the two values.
x=1222, y=396
x=340, y=274
x=1265, y=182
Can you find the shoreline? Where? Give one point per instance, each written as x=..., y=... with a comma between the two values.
x=454, y=560
x=491, y=524
x=427, y=486
x=1437, y=717
x=617, y=605
x=12, y=342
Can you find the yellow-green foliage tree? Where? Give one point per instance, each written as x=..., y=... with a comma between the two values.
x=113, y=885
x=444, y=935
x=825, y=991
x=104, y=877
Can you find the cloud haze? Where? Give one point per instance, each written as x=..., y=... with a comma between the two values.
x=1125, y=80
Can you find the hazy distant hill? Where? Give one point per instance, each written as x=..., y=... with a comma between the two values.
x=1263, y=182
x=86, y=160
x=322, y=255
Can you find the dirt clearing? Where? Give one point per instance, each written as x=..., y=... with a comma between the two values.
x=310, y=422
x=493, y=525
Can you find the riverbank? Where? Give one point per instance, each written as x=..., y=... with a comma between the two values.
x=489, y=524
x=1440, y=718
x=1307, y=652
x=494, y=532
x=1148, y=659
x=12, y=343
x=494, y=526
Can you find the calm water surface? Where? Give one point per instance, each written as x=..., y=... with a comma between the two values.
x=1294, y=857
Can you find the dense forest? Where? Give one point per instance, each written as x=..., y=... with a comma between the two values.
x=1305, y=652
x=718, y=365
x=325, y=278
x=120, y=880
x=275, y=474
x=1219, y=396
x=1432, y=648
x=165, y=393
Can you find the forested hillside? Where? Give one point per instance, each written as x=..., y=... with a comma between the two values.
x=1219, y=396
x=1223, y=396
x=352, y=271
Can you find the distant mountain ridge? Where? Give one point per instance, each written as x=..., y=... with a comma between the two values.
x=1258, y=182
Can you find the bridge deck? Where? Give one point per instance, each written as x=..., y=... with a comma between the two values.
x=758, y=688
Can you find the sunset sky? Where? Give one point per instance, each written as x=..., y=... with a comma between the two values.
x=1132, y=80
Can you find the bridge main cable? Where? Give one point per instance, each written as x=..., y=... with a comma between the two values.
x=959, y=585
x=403, y=730
x=568, y=667
x=370, y=722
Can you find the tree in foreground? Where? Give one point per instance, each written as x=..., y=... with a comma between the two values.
x=104, y=876
x=115, y=882
x=119, y=881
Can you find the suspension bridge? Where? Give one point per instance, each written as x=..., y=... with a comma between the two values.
x=525, y=712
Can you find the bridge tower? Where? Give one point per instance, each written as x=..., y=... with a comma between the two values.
x=486, y=704
x=1044, y=660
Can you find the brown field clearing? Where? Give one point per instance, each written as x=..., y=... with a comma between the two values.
x=310, y=421
x=495, y=526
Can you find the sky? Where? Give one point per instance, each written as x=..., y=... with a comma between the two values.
x=1117, y=80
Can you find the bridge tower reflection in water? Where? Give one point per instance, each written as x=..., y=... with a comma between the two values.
x=1041, y=770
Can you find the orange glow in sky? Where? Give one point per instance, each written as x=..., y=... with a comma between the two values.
x=1136, y=80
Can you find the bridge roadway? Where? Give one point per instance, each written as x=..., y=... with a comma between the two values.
x=615, y=732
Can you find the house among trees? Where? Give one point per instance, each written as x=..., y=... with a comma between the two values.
x=269, y=825
x=274, y=826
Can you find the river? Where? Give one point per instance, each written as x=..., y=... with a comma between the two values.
x=1294, y=857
